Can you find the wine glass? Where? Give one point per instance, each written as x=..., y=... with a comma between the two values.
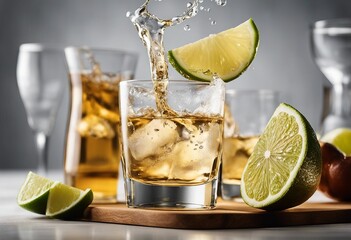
x=40, y=78
x=331, y=49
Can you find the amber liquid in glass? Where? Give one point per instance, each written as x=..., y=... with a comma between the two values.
x=93, y=148
x=236, y=152
x=166, y=151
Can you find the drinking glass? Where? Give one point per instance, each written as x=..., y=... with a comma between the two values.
x=247, y=114
x=331, y=49
x=40, y=79
x=93, y=148
x=172, y=160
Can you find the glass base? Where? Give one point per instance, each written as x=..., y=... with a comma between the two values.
x=140, y=195
x=230, y=191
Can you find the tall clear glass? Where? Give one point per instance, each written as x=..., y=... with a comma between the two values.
x=246, y=116
x=93, y=148
x=331, y=49
x=172, y=160
x=41, y=76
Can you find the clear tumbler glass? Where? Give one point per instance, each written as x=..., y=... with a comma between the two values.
x=171, y=158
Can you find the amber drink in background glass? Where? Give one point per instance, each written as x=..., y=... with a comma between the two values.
x=93, y=148
x=246, y=114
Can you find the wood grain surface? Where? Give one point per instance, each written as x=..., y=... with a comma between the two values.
x=227, y=215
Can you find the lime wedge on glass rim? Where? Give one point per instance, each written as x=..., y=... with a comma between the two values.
x=340, y=138
x=285, y=167
x=226, y=54
x=34, y=193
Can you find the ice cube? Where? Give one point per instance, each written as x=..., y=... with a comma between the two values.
x=156, y=168
x=94, y=126
x=194, y=158
x=153, y=139
x=141, y=97
x=211, y=98
x=107, y=114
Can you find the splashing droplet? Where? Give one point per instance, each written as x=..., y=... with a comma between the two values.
x=189, y=5
x=128, y=14
x=221, y=2
x=201, y=1
x=187, y=28
x=202, y=8
x=208, y=9
x=213, y=22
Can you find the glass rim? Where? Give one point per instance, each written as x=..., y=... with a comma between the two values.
x=332, y=23
x=101, y=49
x=38, y=47
x=173, y=81
x=232, y=92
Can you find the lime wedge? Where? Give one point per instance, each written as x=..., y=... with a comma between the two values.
x=67, y=202
x=340, y=138
x=34, y=193
x=226, y=54
x=285, y=167
x=44, y=196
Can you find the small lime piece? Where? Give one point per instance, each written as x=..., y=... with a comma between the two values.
x=66, y=202
x=226, y=54
x=340, y=138
x=285, y=167
x=34, y=193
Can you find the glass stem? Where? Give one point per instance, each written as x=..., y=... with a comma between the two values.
x=341, y=103
x=42, y=147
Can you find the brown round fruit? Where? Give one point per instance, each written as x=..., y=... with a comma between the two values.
x=336, y=173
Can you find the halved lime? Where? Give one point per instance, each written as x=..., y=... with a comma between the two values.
x=285, y=167
x=34, y=193
x=66, y=202
x=340, y=138
x=226, y=54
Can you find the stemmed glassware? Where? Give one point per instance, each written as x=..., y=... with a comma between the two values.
x=331, y=49
x=41, y=76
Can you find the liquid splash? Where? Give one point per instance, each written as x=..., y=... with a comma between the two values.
x=187, y=28
x=151, y=31
x=221, y=2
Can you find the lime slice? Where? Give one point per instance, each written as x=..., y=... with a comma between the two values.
x=67, y=202
x=34, y=193
x=340, y=138
x=226, y=54
x=285, y=167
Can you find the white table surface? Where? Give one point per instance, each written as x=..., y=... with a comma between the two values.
x=17, y=223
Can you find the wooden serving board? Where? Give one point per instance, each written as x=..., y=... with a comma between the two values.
x=227, y=215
